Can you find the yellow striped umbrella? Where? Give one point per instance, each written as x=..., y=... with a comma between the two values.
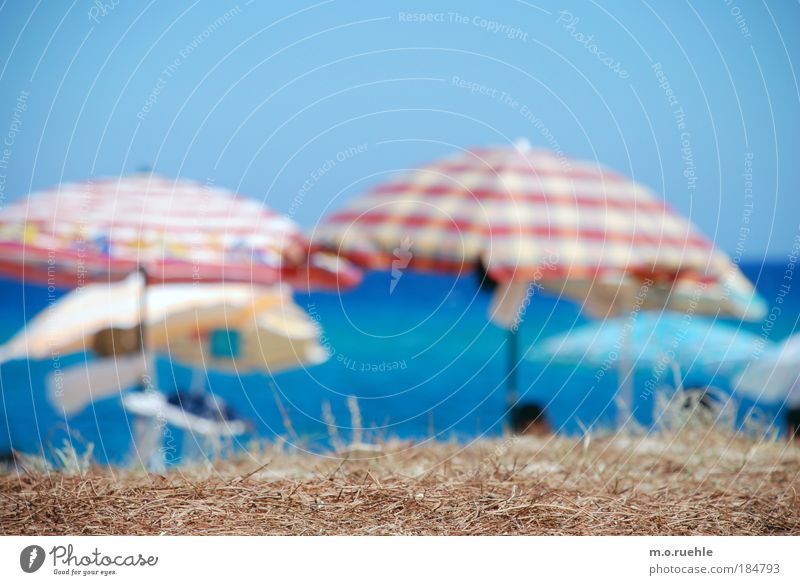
x=532, y=217
x=528, y=215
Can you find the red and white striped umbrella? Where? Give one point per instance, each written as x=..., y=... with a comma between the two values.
x=529, y=215
x=176, y=230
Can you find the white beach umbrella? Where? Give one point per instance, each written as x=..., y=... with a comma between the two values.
x=279, y=334
x=775, y=376
x=275, y=338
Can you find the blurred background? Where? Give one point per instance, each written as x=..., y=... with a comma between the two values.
x=303, y=107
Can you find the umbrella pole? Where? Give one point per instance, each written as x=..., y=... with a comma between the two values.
x=198, y=383
x=512, y=388
x=147, y=433
x=625, y=390
x=624, y=395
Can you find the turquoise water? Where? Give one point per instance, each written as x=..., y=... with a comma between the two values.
x=420, y=358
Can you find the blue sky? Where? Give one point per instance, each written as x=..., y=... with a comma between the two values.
x=303, y=105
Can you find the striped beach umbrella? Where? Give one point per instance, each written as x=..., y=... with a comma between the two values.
x=174, y=230
x=528, y=216
x=171, y=231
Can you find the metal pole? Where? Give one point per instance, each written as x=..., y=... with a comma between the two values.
x=147, y=431
x=625, y=390
x=143, y=312
x=512, y=388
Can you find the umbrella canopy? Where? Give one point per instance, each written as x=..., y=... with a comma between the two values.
x=655, y=339
x=176, y=230
x=174, y=314
x=180, y=319
x=69, y=325
x=529, y=215
x=775, y=376
x=272, y=340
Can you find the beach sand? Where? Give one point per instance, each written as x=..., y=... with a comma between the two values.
x=692, y=483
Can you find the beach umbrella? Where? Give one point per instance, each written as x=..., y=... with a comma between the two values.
x=173, y=230
x=70, y=324
x=774, y=376
x=659, y=340
x=533, y=219
x=664, y=344
x=260, y=328
x=170, y=231
x=277, y=338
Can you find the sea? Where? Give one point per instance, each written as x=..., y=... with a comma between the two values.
x=412, y=357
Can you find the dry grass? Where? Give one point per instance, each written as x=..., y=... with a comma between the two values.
x=696, y=483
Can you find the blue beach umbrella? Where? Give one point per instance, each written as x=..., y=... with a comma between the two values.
x=653, y=337
x=701, y=350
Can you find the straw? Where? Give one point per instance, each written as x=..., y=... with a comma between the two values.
x=703, y=483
